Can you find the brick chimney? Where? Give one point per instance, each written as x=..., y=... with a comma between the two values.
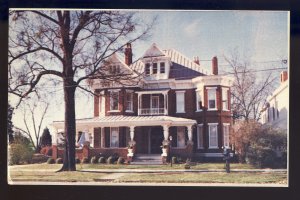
x=196, y=60
x=128, y=54
x=283, y=76
x=214, y=65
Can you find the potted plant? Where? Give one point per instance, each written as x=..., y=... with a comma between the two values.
x=130, y=150
x=164, y=150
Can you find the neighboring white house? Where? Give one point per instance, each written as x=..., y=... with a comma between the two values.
x=276, y=110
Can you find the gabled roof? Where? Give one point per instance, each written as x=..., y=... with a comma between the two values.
x=178, y=71
x=153, y=51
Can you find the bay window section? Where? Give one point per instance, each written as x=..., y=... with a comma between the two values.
x=200, y=140
x=114, y=137
x=226, y=135
x=211, y=93
x=162, y=67
x=114, y=100
x=213, y=135
x=225, y=99
x=180, y=103
x=147, y=69
x=199, y=100
x=154, y=69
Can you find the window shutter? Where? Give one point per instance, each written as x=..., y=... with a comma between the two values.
x=107, y=137
x=174, y=136
x=122, y=137
x=97, y=137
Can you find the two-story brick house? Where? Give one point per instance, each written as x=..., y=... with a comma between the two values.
x=174, y=96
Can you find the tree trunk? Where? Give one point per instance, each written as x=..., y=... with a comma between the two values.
x=69, y=163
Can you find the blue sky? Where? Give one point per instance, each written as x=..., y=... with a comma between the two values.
x=258, y=35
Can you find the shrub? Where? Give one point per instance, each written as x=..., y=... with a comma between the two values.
x=110, y=160
x=101, y=160
x=20, y=153
x=85, y=160
x=93, y=160
x=50, y=161
x=120, y=161
x=77, y=160
x=187, y=166
x=174, y=160
x=59, y=161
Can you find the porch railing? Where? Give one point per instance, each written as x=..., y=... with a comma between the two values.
x=152, y=111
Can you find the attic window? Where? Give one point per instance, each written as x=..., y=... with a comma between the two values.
x=114, y=69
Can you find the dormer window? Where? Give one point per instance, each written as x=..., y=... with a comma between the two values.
x=147, y=69
x=162, y=68
x=154, y=69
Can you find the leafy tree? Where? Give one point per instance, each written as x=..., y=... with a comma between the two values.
x=46, y=139
x=67, y=46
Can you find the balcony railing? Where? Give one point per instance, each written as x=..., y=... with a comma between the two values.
x=152, y=111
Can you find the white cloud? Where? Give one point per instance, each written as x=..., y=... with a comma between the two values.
x=192, y=29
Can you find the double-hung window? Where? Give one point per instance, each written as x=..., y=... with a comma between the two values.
x=114, y=137
x=162, y=67
x=225, y=98
x=180, y=136
x=114, y=100
x=154, y=69
x=213, y=135
x=200, y=141
x=129, y=101
x=147, y=69
x=212, y=103
x=180, y=104
x=226, y=135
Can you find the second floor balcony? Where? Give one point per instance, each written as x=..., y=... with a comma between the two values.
x=153, y=102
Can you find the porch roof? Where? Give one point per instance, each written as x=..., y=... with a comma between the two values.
x=122, y=120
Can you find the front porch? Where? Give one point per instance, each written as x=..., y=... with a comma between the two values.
x=131, y=135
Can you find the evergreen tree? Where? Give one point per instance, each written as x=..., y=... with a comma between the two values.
x=46, y=139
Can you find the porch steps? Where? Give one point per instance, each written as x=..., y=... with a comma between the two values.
x=147, y=159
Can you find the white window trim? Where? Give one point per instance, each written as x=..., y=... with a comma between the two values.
x=177, y=92
x=110, y=132
x=198, y=138
x=201, y=93
x=131, y=94
x=216, y=106
x=212, y=124
x=226, y=89
x=151, y=100
x=225, y=125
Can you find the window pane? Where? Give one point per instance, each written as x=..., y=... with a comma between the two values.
x=213, y=136
x=114, y=139
x=154, y=68
x=199, y=100
x=200, y=136
x=225, y=98
x=180, y=101
x=162, y=67
x=129, y=101
x=211, y=98
x=226, y=135
x=114, y=101
x=180, y=137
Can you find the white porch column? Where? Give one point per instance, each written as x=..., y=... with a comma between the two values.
x=165, y=104
x=102, y=138
x=132, y=132
x=139, y=104
x=91, y=131
x=190, y=133
x=166, y=131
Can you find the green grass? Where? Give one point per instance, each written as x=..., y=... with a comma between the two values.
x=212, y=177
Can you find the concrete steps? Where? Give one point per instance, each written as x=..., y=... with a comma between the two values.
x=147, y=159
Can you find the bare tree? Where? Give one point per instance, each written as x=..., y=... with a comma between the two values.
x=249, y=93
x=32, y=124
x=70, y=46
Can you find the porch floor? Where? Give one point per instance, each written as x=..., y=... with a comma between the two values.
x=147, y=159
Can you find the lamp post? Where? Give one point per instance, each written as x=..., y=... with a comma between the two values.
x=170, y=138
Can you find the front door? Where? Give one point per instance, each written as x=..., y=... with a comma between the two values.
x=156, y=138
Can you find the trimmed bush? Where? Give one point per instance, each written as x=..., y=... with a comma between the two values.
x=120, y=161
x=187, y=166
x=101, y=160
x=77, y=160
x=85, y=160
x=110, y=160
x=20, y=153
x=59, y=161
x=174, y=160
x=50, y=161
x=93, y=160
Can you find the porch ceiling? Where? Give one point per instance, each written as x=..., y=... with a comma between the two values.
x=122, y=120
